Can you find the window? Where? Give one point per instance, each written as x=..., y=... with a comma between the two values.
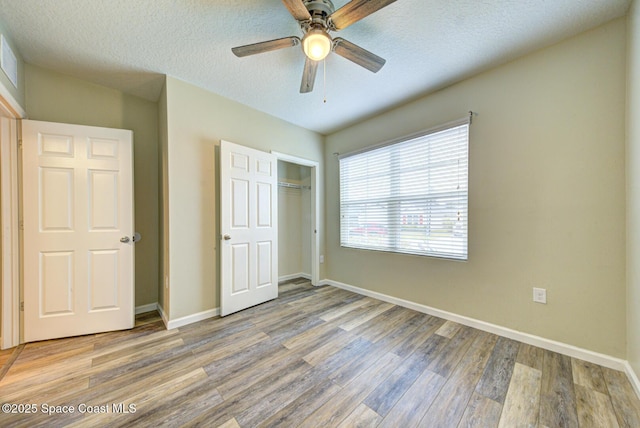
x=408, y=196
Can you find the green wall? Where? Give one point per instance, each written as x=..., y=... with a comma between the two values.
x=633, y=189
x=196, y=122
x=546, y=196
x=163, y=206
x=54, y=97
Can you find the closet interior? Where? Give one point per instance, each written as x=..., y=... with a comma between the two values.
x=294, y=220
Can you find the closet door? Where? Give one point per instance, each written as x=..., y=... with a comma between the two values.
x=249, y=227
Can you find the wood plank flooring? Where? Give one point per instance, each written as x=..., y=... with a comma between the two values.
x=315, y=357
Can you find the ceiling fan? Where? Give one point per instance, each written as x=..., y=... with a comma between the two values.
x=317, y=18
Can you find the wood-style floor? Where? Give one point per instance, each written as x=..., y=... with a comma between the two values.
x=315, y=357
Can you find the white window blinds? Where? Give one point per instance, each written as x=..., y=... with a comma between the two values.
x=409, y=196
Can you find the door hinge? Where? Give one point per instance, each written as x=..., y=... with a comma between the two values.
x=20, y=143
x=22, y=306
x=21, y=225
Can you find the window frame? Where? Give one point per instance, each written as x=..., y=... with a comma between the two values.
x=428, y=200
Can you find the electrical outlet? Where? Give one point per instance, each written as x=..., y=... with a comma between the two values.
x=539, y=295
x=321, y=258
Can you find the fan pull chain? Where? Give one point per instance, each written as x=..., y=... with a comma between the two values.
x=324, y=80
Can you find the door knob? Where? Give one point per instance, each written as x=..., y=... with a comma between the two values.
x=124, y=239
x=227, y=237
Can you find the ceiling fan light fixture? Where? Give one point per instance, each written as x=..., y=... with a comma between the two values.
x=317, y=18
x=316, y=44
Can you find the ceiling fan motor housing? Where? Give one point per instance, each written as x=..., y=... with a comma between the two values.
x=319, y=10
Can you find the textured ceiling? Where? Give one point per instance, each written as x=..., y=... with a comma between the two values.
x=130, y=44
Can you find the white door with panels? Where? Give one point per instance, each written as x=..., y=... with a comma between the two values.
x=78, y=230
x=249, y=227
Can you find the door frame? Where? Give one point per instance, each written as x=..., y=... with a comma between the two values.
x=315, y=209
x=11, y=111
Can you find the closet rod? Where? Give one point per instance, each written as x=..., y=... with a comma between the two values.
x=292, y=185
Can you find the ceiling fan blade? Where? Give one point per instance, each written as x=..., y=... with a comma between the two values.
x=354, y=11
x=297, y=9
x=360, y=56
x=308, y=75
x=271, y=45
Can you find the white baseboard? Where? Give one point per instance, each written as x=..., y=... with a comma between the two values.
x=146, y=308
x=164, y=317
x=551, y=345
x=190, y=319
x=294, y=276
x=633, y=377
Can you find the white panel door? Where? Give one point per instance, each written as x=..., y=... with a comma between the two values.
x=78, y=229
x=249, y=227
